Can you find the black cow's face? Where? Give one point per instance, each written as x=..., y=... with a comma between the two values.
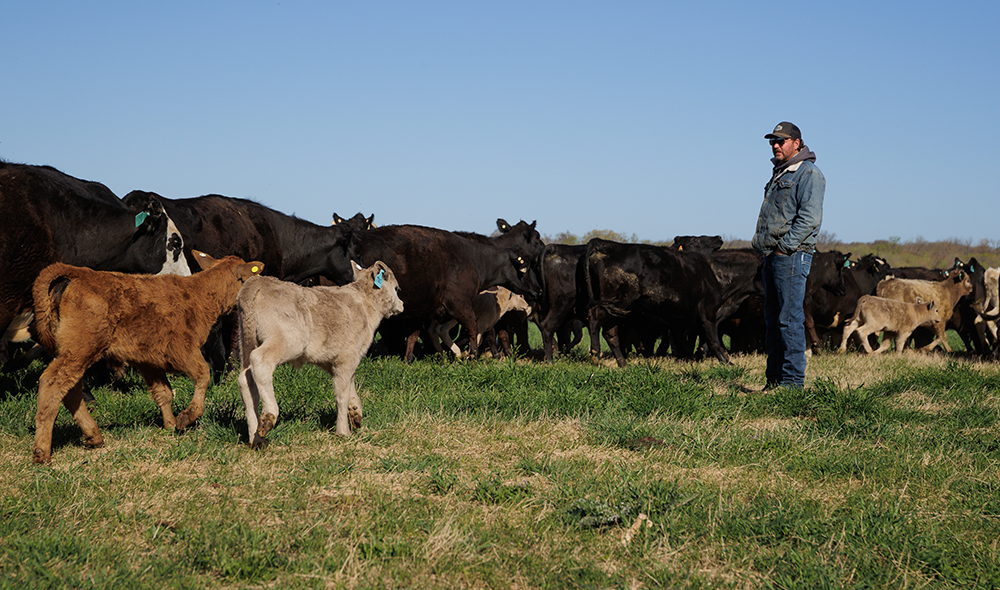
x=527, y=275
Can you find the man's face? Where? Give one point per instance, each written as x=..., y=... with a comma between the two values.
x=784, y=148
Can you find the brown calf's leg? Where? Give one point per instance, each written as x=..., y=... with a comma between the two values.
x=159, y=387
x=61, y=376
x=197, y=370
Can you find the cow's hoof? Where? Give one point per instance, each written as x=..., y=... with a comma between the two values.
x=258, y=443
x=41, y=457
x=354, y=416
x=94, y=442
x=266, y=425
x=183, y=421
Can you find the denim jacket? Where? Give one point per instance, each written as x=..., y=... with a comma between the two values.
x=792, y=210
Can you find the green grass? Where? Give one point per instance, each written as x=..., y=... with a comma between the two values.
x=881, y=473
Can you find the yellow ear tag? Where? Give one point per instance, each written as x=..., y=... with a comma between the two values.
x=255, y=269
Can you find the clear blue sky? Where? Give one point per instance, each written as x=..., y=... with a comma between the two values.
x=645, y=118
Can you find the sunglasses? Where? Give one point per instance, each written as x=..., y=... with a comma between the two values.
x=778, y=141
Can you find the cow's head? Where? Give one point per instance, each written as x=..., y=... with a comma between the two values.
x=241, y=270
x=521, y=235
x=977, y=275
x=528, y=275
x=358, y=223
x=152, y=222
x=703, y=244
x=340, y=270
x=379, y=283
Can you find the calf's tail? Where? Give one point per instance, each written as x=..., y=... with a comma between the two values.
x=48, y=292
x=246, y=313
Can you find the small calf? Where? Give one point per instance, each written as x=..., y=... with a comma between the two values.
x=944, y=293
x=489, y=305
x=330, y=327
x=896, y=318
x=157, y=324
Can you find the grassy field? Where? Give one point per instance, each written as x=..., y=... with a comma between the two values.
x=882, y=473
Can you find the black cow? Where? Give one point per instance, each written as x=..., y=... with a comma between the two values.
x=701, y=244
x=825, y=273
x=828, y=311
x=963, y=319
x=358, y=223
x=292, y=249
x=47, y=216
x=439, y=274
x=523, y=237
x=741, y=307
x=675, y=289
x=564, y=295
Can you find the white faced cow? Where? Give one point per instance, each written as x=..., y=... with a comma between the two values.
x=330, y=327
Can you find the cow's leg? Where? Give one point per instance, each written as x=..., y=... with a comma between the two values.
x=262, y=365
x=444, y=334
x=863, y=333
x=467, y=318
x=812, y=337
x=251, y=404
x=61, y=380
x=436, y=335
x=901, y=338
x=939, y=338
x=159, y=387
x=81, y=415
x=349, y=411
x=710, y=334
x=548, y=340
x=595, y=320
x=887, y=338
x=611, y=336
x=197, y=370
x=411, y=343
x=849, y=328
x=502, y=336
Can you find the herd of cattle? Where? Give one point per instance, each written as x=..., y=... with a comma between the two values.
x=93, y=277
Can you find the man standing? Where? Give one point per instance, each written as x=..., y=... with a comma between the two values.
x=786, y=235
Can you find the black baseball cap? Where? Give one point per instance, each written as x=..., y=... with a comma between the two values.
x=784, y=130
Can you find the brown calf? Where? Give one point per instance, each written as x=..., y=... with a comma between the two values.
x=896, y=318
x=330, y=327
x=156, y=324
x=490, y=305
x=944, y=293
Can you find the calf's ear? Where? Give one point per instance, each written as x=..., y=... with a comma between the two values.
x=249, y=269
x=204, y=261
x=357, y=269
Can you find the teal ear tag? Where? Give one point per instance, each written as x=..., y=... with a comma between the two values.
x=140, y=217
x=378, y=279
x=847, y=264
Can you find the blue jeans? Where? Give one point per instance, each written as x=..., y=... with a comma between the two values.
x=785, y=340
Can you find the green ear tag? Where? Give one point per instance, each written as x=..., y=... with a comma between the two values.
x=378, y=278
x=140, y=217
x=847, y=264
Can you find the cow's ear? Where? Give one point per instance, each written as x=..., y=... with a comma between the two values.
x=204, y=261
x=337, y=219
x=357, y=269
x=502, y=225
x=154, y=208
x=254, y=268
